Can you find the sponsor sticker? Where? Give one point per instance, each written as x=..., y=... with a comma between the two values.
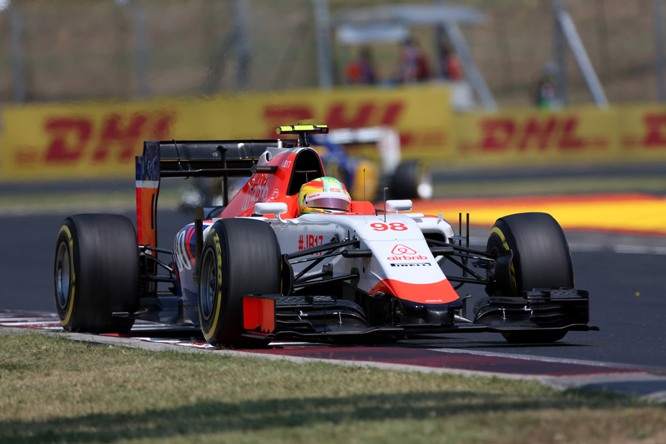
x=411, y=264
x=401, y=252
x=309, y=241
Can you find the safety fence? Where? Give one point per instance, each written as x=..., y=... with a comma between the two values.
x=56, y=51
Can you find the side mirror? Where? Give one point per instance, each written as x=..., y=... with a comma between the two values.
x=274, y=208
x=395, y=206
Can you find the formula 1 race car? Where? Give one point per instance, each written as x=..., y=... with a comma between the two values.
x=291, y=256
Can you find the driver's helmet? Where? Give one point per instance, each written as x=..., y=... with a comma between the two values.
x=323, y=195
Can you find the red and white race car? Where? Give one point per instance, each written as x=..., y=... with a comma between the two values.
x=292, y=256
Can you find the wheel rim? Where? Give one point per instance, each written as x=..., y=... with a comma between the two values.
x=424, y=189
x=208, y=287
x=63, y=275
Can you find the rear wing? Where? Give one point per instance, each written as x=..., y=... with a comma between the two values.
x=202, y=158
x=191, y=158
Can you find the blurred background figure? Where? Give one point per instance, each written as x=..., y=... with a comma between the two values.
x=545, y=92
x=451, y=66
x=413, y=64
x=361, y=71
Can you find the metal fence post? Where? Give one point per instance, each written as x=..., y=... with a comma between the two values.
x=18, y=65
x=658, y=6
x=583, y=61
x=241, y=44
x=323, y=30
x=142, y=52
x=560, y=53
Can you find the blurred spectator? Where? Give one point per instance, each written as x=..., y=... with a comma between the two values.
x=413, y=64
x=451, y=66
x=362, y=70
x=545, y=92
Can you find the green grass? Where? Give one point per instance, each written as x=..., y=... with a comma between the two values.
x=56, y=390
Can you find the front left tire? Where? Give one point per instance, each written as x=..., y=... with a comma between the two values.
x=96, y=273
x=540, y=258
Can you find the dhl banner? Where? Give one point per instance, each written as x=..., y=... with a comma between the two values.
x=534, y=136
x=3, y=148
x=100, y=140
x=643, y=134
x=619, y=134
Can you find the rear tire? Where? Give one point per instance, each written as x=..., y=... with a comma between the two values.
x=410, y=181
x=541, y=259
x=96, y=273
x=240, y=257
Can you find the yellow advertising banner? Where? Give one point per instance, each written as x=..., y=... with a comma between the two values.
x=100, y=139
x=90, y=140
x=628, y=133
x=531, y=136
x=3, y=148
x=643, y=135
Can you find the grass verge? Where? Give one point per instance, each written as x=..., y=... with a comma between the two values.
x=56, y=390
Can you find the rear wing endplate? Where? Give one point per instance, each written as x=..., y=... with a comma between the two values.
x=191, y=158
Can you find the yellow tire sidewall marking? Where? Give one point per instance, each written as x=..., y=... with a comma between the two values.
x=72, y=279
x=210, y=332
x=505, y=244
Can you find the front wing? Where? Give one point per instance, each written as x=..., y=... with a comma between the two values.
x=325, y=318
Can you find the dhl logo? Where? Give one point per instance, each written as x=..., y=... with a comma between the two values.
x=357, y=115
x=116, y=137
x=655, y=133
x=559, y=133
x=113, y=138
x=337, y=114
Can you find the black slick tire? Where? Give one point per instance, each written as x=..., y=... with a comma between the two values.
x=541, y=259
x=410, y=181
x=96, y=273
x=240, y=257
